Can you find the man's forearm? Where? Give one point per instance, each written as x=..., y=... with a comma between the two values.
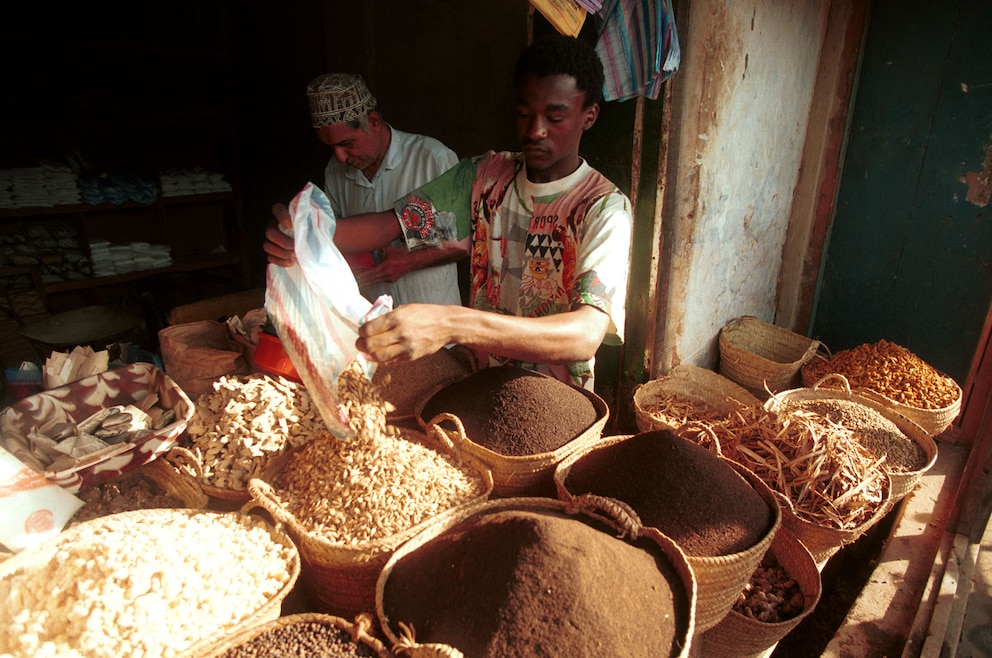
x=366, y=232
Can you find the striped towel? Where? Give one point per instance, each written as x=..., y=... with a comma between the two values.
x=638, y=45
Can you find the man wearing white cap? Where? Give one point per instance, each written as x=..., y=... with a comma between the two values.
x=373, y=165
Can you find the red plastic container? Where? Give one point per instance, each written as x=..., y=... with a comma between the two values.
x=271, y=357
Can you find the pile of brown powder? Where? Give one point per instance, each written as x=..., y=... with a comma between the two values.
x=679, y=487
x=520, y=583
x=513, y=411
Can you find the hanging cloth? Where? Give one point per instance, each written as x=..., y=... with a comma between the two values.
x=638, y=45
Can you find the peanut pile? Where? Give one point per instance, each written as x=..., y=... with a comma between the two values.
x=140, y=584
x=891, y=370
x=771, y=595
x=245, y=422
x=372, y=487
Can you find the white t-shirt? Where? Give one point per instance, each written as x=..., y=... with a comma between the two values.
x=410, y=161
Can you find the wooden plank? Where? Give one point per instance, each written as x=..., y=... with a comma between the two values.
x=941, y=617
x=976, y=631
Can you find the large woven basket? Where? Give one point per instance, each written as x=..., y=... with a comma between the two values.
x=740, y=636
x=933, y=421
x=612, y=513
x=689, y=383
x=761, y=356
x=358, y=630
x=340, y=579
x=127, y=527
x=522, y=475
x=901, y=482
x=720, y=578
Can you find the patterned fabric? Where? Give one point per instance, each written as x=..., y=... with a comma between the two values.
x=638, y=45
x=538, y=249
x=411, y=160
x=338, y=98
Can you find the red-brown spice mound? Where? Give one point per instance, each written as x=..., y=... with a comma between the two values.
x=513, y=411
x=681, y=488
x=515, y=584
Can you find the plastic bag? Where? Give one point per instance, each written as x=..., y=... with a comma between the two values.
x=316, y=307
x=196, y=354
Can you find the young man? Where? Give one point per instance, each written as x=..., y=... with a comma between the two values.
x=548, y=236
x=374, y=164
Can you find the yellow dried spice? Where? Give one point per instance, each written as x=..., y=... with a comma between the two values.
x=891, y=370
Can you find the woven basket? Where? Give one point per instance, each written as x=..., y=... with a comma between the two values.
x=901, y=483
x=522, y=475
x=690, y=383
x=172, y=483
x=340, y=579
x=763, y=357
x=719, y=579
x=605, y=510
x=109, y=529
x=189, y=468
x=359, y=632
x=933, y=421
x=740, y=636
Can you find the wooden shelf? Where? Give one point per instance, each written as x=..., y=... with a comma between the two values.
x=206, y=263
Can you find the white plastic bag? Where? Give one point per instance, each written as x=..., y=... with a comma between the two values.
x=316, y=307
x=34, y=509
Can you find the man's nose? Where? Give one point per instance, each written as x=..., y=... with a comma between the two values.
x=537, y=129
x=340, y=154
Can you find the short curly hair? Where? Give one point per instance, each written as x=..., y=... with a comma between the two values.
x=558, y=54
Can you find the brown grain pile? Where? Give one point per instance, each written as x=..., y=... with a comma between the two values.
x=513, y=411
x=878, y=434
x=302, y=639
x=512, y=584
x=681, y=488
x=405, y=385
x=891, y=370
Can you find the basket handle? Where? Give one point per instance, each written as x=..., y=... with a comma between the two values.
x=179, y=456
x=834, y=375
x=451, y=440
x=263, y=495
x=617, y=513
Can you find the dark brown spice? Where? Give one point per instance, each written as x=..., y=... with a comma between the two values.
x=681, y=488
x=516, y=583
x=513, y=411
x=301, y=639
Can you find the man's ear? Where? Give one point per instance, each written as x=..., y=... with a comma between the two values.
x=374, y=120
x=591, y=113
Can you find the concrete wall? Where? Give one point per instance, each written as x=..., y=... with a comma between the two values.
x=741, y=102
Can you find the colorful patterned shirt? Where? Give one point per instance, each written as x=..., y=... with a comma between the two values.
x=538, y=249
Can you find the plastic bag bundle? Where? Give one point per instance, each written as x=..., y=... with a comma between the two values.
x=316, y=307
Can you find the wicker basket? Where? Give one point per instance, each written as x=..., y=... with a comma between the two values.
x=189, y=468
x=763, y=357
x=358, y=630
x=901, y=482
x=522, y=475
x=340, y=579
x=604, y=510
x=127, y=526
x=740, y=636
x=691, y=383
x=933, y=421
x=719, y=579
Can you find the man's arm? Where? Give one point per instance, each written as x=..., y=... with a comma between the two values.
x=365, y=232
x=415, y=330
x=397, y=263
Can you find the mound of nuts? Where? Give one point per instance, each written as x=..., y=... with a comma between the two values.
x=149, y=583
x=891, y=370
x=246, y=421
x=771, y=595
x=374, y=486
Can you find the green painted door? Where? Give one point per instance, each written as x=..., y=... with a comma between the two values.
x=909, y=257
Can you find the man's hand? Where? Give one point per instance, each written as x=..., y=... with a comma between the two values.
x=395, y=264
x=406, y=333
x=279, y=246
